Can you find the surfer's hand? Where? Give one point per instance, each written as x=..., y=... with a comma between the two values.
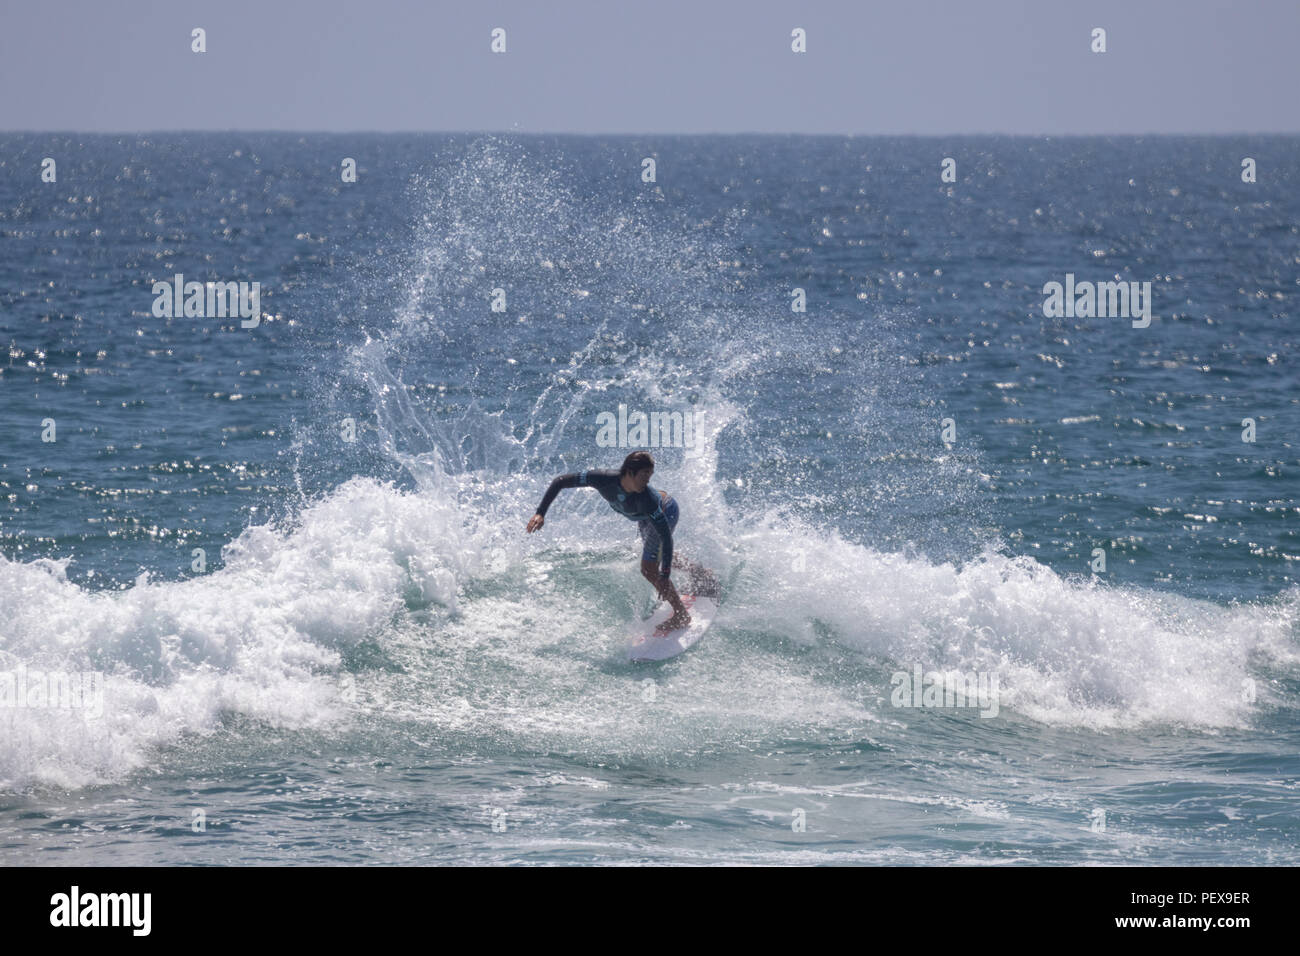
x=535, y=522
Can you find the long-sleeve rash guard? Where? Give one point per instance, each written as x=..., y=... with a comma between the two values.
x=638, y=505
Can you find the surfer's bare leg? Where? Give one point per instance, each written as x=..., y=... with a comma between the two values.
x=702, y=581
x=681, y=617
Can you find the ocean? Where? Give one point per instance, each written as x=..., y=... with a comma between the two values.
x=266, y=595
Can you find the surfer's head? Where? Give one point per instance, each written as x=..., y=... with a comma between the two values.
x=637, y=469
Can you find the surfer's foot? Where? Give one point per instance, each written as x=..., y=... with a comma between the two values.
x=680, y=619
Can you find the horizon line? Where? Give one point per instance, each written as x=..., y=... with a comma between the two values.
x=501, y=132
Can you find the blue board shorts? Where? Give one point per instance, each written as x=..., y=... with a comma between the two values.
x=653, y=549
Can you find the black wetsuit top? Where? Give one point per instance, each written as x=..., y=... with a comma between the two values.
x=638, y=505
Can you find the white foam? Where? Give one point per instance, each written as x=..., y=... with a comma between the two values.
x=260, y=637
x=263, y=636
x=1066, y=651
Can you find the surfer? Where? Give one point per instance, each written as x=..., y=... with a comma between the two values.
x=629, y=493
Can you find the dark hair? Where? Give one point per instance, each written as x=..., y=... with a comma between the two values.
x=637, y=461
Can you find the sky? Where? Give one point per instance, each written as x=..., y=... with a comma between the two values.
x=928, y=67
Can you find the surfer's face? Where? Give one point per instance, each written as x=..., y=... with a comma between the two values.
x=641, y=478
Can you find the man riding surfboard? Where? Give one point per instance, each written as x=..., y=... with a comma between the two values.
x=629, y=493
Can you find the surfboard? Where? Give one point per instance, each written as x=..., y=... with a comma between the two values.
x=647, y=643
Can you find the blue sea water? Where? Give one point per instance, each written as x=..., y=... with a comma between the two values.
x=373, y=663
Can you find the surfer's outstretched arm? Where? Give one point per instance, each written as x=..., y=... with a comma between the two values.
x=572, y=480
